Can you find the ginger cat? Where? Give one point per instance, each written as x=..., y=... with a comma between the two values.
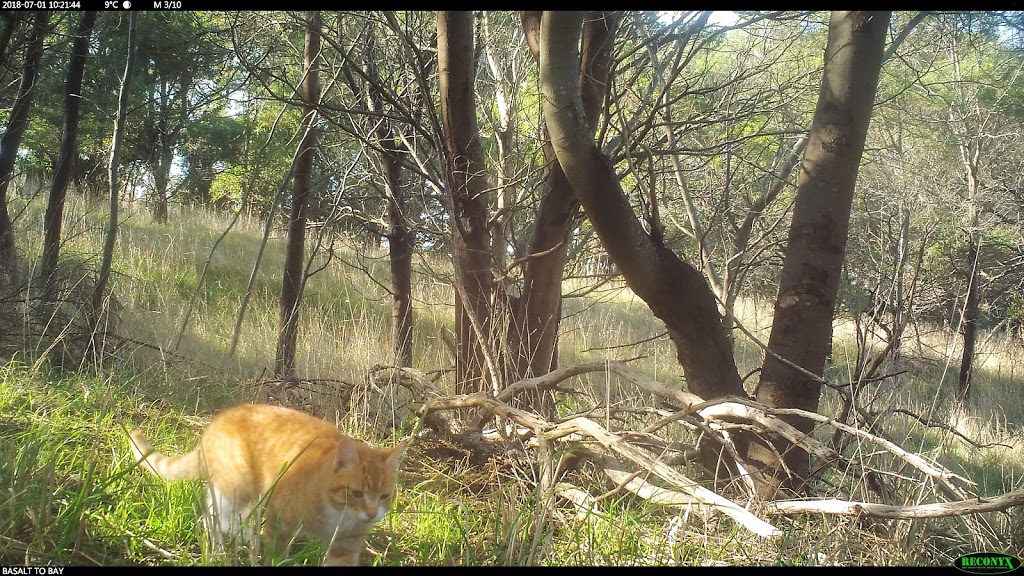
x=310, y=479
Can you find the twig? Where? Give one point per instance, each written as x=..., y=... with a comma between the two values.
x=943, y=426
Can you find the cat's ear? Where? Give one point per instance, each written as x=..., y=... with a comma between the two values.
x=395, y=457
x=346, y=455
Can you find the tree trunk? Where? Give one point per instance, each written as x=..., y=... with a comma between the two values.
x=164, y=157
x=68, y=151
x=970, y=155
x=736, y=266
x=502, y=202
x=467, y=185
x=9, y=144
x=294, y=281
x=970, y=325
x=802, y=325
x=533, y=329
x=10, y=21
x=674, y=290
x=113, y=167
x=401, y=239
x=169, y=131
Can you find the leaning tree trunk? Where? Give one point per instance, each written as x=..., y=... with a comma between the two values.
x=802, y=326
x=533, y=328
x=68, y=152
x=113, y=168
x=293, y=282
x=673, y=289
x=9, y=144
x=467, y=185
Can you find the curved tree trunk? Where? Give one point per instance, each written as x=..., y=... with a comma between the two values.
x=467, y=186
x=9, y=144
x=68, y=150
x=674, y=290
x=802, y=326
x=533, y=328
x=294, y=281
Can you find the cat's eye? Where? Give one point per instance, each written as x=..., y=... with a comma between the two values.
x=385, y=496
x=356, y=493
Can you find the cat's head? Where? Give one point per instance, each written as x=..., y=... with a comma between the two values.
x=363, y=479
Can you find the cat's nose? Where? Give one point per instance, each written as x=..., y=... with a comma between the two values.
x=374, y=514
x=367, y=515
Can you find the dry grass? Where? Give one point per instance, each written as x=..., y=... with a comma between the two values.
x=453, y=511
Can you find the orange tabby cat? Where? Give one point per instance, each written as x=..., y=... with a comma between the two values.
x=317, y=482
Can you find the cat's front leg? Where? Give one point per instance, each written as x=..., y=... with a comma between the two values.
x=341, y=558
x=345, y=550
x=276, y=540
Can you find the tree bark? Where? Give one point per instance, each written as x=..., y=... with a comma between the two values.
x=467, y=186
x=970, y=324
x=533, y=328
x=401, y=239
x=68, y=150
x=970, y=155
x=294, y=280
x=10, y=21
x=164, y=157
x=169, y=129
x=113, y=167
x=9, y=144
x=802, y=325
x=674, y=290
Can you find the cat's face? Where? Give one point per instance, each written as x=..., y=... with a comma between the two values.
x=363, y=481
x=363, y=503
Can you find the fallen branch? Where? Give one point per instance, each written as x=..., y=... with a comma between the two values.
x=612, y=442
x=936, y=510
x=631, y=459
x=700, y=494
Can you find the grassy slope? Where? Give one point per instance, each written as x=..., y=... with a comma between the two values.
x=70, y=494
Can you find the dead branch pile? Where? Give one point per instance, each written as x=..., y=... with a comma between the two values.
x=642, y=447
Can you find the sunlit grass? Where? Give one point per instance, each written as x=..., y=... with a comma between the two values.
x=69, y=492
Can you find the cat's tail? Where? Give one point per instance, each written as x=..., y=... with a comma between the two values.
x=184, y=467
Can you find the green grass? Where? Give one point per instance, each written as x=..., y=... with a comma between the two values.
x=70, y=493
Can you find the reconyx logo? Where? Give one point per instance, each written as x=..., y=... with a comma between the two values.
x=987, y=563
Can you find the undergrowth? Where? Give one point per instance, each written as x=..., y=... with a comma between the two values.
x=71, y=494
